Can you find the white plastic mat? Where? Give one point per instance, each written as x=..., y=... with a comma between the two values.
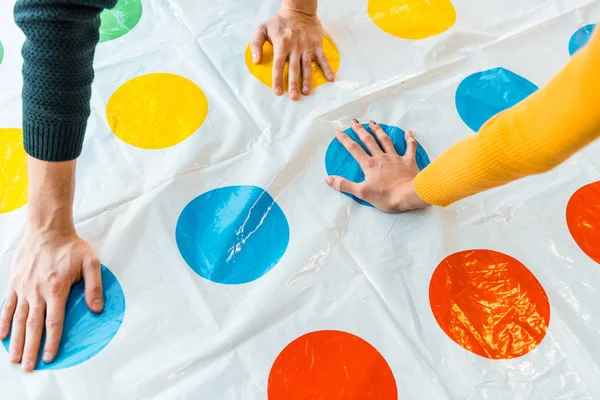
x=245, y=277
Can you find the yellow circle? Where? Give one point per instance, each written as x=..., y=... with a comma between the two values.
x=13, y=179
x=264, y=70
x=412, y=19
x=156, y=111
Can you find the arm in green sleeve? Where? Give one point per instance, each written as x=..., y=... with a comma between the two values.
x=58, y=53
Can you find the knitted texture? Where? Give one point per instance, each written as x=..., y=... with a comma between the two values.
x=530, y=138
x=58, y=55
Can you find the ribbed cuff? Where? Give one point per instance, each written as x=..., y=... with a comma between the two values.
x=53, y=142
x=428, y=189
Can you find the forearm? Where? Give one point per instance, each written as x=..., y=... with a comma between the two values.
x=51, y=191
x=57, y=73
x=533, y=137
x=308, y=7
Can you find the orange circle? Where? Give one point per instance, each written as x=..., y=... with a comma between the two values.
x=583, y=219
x=489, y=303
x=331, y=365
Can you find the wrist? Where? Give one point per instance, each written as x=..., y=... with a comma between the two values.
x=406, y=198
x=51, y=191
x=50, y=218
x=307, y=8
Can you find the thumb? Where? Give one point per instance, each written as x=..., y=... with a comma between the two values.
x=345, y=186
x=411, y=145
x=258, y=41
x=92, y=278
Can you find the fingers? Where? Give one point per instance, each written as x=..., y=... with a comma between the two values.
x=294, y=75
x=33, y=335
x=258, y=41
x=365, y=137
x=344, y=185
x=324, y=64
x=17, y=335
x=278, y=66
x=92, y=278
x=411, y=145
x=353, y=148
x=384, y=140
x=55, y=318
x=6, y=315
x=306, y=72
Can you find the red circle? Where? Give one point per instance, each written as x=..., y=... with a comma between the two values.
x=583, y=219
x=331, y=365
x=489, y=303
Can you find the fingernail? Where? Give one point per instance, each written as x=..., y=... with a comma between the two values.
x=278, y=90
x=13, y=355
x=97, y=304
x=371, y=122
x=47, y=357
x=254, y=57
x=329, y=180
x=355, y=120
x=27, y=365
x=306, y=89
x=294, y=93
x=331, y=77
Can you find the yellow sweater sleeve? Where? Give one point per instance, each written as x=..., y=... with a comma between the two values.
x=532, y=137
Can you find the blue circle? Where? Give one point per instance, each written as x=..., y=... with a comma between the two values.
x=85, y=333
x=339, y=162
x=580, y=38
x=484, y=94
x=232, y=235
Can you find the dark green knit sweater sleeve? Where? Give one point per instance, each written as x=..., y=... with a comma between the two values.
x=58, y=55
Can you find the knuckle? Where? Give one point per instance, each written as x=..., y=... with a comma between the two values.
x=95, y=262
x=366, y=138
x=53, y=322
x=353, y=146
x=55, y=284
x=20, y=318
x=370, y=162
x=55, y=287
x=95, y=288
x=279, y=63
x=259, y=29
x=36, y=306
x=283, y=42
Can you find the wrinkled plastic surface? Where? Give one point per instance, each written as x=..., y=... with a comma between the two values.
x=232, y=235
x=495, y=297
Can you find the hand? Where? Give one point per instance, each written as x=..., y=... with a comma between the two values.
x=297, y=37
x=46, y=265
x=389, y=178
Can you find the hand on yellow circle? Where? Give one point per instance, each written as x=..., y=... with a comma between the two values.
x=298, y=39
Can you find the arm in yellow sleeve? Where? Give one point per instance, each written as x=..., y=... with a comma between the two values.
x=530, y=138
